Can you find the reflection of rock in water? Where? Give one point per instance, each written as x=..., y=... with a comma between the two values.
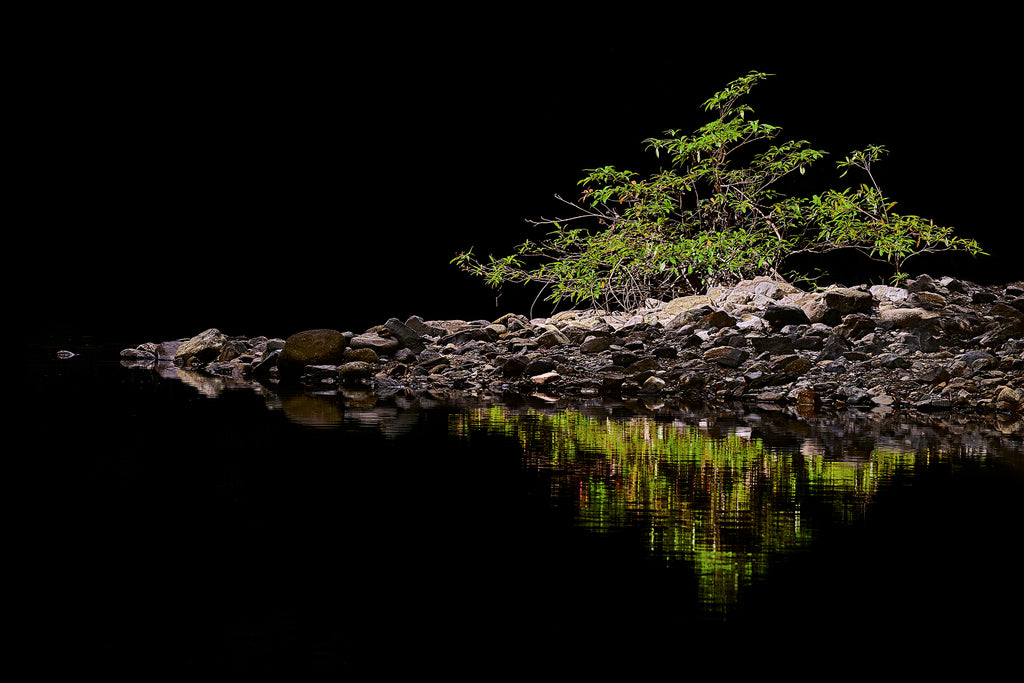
x=313, y=410
x=212, y=386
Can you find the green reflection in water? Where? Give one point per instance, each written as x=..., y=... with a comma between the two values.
x=716, y=498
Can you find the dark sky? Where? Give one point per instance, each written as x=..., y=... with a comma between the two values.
x=273, y=175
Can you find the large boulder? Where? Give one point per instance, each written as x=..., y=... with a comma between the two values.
x=312, y=347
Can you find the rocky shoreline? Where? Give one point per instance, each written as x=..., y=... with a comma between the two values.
x=937, y=344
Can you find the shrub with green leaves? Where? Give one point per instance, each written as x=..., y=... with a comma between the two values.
x=721, y=212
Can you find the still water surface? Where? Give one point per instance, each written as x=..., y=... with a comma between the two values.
x=201, y=524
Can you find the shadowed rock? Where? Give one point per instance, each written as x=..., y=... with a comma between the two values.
x=312, y=347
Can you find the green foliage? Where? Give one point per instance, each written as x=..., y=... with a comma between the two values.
x=716, y=215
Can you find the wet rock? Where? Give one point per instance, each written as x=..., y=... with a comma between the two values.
x=354, y=372
x=653, y=385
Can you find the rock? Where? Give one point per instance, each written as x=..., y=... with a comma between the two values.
x=689, y=316
x=266, y=364
x=887, y=294
x=354, y=372
x=683, y=304
x=778, y=316
x=904, y=317
x=596, y=344
x=808, y=397
x=776, y=344
x=406, y=336
x=539, y=366
x=953, y=338
x=514, y=366
x=727, y=356
x=834, y=347
x=922, y=283
x=382, y=346
x=791, y=365
x=719, y=319
x=312, y=347
x=552, y=338
x=205, y=346
x=833, y=304
x=482, y=333
x=1008, y=398
x=545, y=378
x=364, y=354
x=418, y=326
x=653, y=385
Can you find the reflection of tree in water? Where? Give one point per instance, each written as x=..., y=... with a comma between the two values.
x=714, y=495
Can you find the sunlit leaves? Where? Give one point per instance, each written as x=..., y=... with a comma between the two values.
x=719, y=214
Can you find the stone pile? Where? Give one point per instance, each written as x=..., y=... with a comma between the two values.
x=935, y=344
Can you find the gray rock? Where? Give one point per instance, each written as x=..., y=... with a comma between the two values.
x=406, y=336
x=382, y=346
x=596, y=344
x=417, y=325
x=776, y=344
x=834, y=347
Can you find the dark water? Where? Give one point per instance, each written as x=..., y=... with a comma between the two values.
x=188, y=525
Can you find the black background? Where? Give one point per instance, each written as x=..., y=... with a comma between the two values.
x=267, y=174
